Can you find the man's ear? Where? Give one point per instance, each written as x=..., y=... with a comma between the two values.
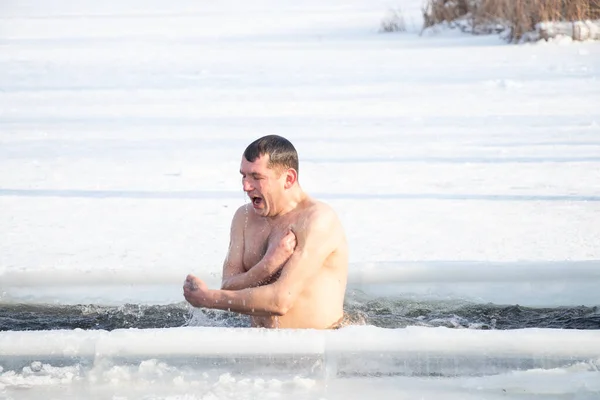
x=291, y=176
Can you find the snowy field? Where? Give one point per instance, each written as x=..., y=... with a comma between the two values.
x=463, y=169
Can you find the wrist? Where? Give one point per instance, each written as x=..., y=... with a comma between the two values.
x=268, y=262
x=209, y=299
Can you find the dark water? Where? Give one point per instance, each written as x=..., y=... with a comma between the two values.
x=381, y=312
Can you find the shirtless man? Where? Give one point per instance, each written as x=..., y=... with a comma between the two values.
x=287, y=262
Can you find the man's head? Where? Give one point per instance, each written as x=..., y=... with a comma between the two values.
x=269, y=168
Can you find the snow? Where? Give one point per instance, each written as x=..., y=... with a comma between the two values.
x=463, y=168
x=580, y=30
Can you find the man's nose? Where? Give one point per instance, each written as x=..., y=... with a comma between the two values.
x=246, y=185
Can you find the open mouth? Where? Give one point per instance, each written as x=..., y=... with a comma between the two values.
x=257, y=201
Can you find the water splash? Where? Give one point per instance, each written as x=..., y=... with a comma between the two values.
x=381, y=312
x=246, y=216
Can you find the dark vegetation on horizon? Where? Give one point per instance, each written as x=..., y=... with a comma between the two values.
x=518, y=20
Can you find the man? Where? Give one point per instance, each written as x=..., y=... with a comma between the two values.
x=287, y=262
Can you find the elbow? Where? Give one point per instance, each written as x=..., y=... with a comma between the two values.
x=282, y=303
x=226, y=284
x=279, y=311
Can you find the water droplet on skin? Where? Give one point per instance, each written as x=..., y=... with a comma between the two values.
x=229, y=302
x=245, y=211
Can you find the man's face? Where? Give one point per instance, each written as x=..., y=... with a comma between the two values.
x=263, y=185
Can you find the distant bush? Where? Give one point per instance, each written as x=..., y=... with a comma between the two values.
x=393, y=22
x=519, y=20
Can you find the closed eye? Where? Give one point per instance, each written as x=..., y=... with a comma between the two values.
x=254, y=175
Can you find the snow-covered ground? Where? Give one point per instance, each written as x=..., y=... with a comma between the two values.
x=462, y=168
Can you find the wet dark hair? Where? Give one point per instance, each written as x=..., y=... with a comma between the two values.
x=281, y=151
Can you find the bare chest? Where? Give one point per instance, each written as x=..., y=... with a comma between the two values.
x=256, y=240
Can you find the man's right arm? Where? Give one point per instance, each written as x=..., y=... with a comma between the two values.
x=234, y=275
x=256, y=276
x=316, y=241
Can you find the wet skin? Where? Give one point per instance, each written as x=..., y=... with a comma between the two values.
x=287, y=259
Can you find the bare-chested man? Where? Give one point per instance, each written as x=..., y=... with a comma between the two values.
x=287, y=262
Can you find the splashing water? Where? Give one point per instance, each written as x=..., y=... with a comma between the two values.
x=245, y=212
x=379, y=312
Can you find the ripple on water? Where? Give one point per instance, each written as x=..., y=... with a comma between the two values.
x=382, y=312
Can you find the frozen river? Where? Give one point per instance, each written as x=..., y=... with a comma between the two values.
x=466, y=172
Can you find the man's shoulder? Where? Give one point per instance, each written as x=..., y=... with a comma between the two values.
x=320, y=213
x=242, y=214
x=242, y=210
x=321, y=223
x=315, y=208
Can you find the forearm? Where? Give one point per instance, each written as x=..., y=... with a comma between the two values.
x=258, y=275
x=260, y=301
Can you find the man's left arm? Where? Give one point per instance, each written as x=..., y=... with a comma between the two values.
x=315, y=242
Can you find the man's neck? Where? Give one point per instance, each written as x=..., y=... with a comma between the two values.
x=291, y=202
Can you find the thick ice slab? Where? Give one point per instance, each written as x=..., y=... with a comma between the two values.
x=301, y=364
x=535, y=284
x=532, y=347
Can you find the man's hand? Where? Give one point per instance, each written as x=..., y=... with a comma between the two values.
x=281, y=247
x=195, y=291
